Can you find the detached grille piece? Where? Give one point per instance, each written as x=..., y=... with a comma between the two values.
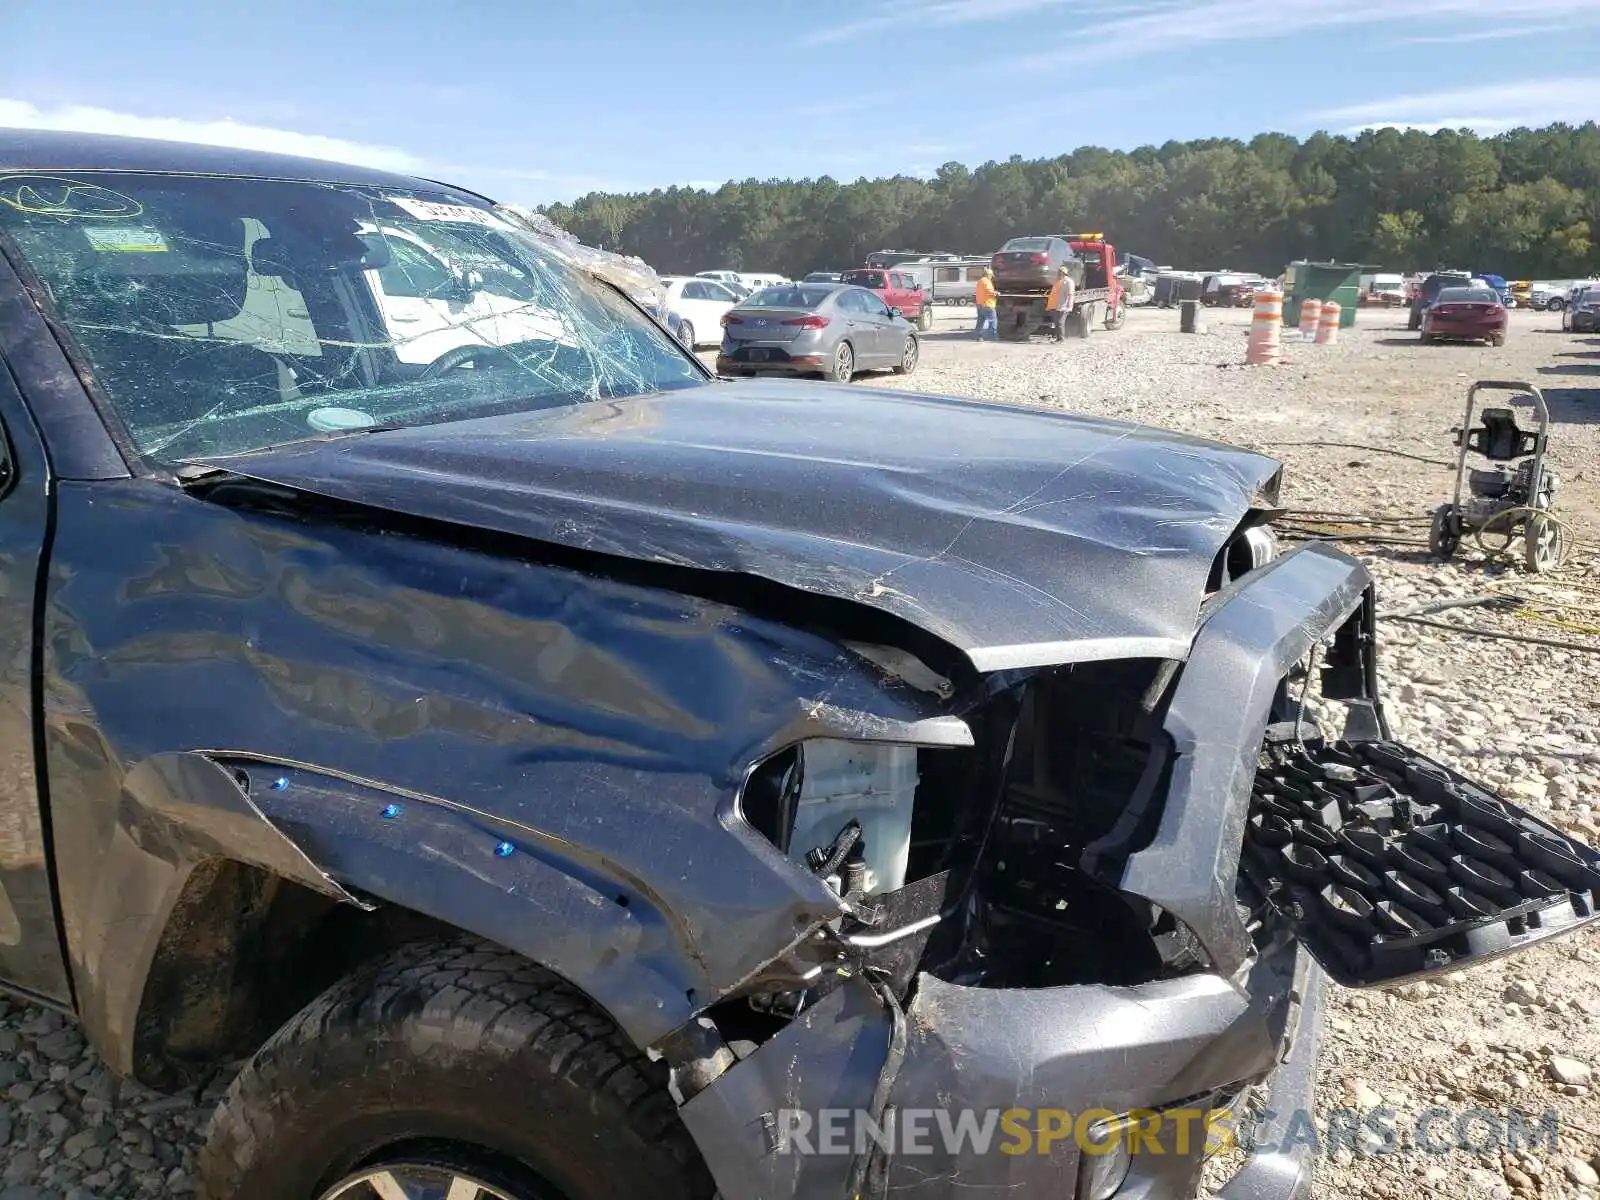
x=1388, y=864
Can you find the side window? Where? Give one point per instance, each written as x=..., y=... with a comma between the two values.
x=947, y=274
x=695, y=290
x=715, y=291
x=896, y=280
x=412, y=274
x=874, y=305
x=850, y=302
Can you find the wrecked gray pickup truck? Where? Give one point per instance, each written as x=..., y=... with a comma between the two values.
x=562, y=773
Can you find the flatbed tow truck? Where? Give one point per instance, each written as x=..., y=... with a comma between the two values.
x=1020, y=308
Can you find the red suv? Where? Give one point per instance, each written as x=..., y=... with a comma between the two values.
x=898, y=291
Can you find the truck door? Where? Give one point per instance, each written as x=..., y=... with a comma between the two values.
x=30, y=938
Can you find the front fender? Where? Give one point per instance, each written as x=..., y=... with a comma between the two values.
x=176, y=812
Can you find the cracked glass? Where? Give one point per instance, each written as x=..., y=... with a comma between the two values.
x=223, y=315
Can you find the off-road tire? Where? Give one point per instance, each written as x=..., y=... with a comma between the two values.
x=1555, y=304
x=451, y=1044
x=925, y=318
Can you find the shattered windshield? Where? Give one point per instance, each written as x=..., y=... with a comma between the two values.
x=219, y=316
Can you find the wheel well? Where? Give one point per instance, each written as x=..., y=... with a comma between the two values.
x=242, y=952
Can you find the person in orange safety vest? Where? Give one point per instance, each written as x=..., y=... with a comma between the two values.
x=984, y=297
x=1059, y=304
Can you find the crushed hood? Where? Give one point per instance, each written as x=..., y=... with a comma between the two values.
x=1022, y=537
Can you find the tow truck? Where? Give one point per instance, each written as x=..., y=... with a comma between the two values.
x=1020, y=310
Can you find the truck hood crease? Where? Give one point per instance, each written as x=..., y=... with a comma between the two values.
x=1022, y=537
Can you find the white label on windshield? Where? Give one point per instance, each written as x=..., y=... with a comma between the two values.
x=126, y=239
x=461, y=214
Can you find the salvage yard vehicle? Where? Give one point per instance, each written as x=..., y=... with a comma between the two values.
x=1428, y=291
x=898, y=291
x=1465, y=314
x=832, y=330
x=1583, y=314
x=1387, y=290
x=700, y=305
x=562, y=773
x=1023, y=288
x=1229, y=289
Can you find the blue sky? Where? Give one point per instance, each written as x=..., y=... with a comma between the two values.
x=539, y=100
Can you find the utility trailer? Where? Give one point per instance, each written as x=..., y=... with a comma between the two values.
x=1020, y=308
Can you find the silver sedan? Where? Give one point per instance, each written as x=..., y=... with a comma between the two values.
x=828, y=329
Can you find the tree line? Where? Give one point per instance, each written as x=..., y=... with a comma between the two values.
x=1523, y=204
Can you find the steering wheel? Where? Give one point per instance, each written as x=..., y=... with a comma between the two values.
x=454, y=360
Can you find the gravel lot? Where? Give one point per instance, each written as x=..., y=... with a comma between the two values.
x=1525, y=718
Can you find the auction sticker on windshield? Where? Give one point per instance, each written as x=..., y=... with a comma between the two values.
x=126, y=239
x=432, y=210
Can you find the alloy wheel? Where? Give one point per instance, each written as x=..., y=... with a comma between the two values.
x=419, y=1181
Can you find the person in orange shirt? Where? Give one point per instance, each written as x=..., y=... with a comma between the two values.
x=984, y=297
x=1059, y=304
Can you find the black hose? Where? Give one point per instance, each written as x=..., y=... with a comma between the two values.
x=1475, y=631
x=1436, y=462
x=839, y=851
x=869, y=1172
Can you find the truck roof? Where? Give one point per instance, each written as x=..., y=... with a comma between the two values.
x=51, y=150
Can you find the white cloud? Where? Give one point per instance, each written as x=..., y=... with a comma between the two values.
x=77, y=118
x=1489, y=108
x=1158, y=27
x=1498, y=33
x=946, y=13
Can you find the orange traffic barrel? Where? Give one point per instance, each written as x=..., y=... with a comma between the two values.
x=1328, y=325
x=1266, y=328
x=1310, y=314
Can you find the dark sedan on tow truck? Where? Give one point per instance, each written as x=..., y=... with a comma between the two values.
x=561, y=773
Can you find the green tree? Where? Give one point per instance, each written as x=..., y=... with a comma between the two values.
x=1521, y=204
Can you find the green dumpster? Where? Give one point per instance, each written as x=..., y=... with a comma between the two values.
x=1340, y=282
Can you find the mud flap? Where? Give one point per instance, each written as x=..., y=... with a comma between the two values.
x=1389, y=865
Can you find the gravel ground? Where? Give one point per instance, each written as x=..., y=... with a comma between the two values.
x=1523, y=1033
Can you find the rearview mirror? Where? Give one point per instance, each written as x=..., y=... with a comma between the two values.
x=463, y=285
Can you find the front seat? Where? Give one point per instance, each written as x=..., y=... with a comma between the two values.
x=145, y=323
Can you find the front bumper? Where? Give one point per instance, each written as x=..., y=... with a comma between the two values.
x=1026, y=1064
